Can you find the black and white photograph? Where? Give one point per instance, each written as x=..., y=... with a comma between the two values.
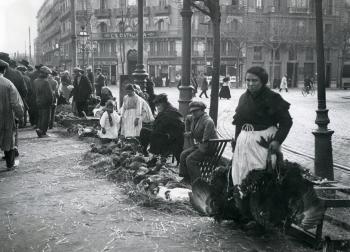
x=174, y=125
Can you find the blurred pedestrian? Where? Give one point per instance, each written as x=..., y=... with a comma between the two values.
x=284, y=83
x=91, y=78
x=65, y=88
x=54, y=87
x=44, y=100
x=81, y=92
x=204, y=87
x=225, y=89
x=100, y=81
x=11, y=107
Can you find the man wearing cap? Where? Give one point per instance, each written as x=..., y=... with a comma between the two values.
x=134, y=111
x=11, y=106
x=100, y=81
x=81, y=92
x=166, y=135
x=44, y=99
x=200, y=127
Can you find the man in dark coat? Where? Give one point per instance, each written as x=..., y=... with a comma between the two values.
x=29, y=96
x=15, y=77
x=91, y=78
x=150, y=94
x=100, y=81
x=44, y=99
x=166, y=135
x=10, y=106
x=81, y=92
x=33, y=111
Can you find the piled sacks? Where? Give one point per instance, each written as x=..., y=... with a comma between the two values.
x=146, y=180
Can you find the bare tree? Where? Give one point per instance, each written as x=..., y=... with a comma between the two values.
x=211, y=8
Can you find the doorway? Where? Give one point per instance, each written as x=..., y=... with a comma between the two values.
x=292, y=73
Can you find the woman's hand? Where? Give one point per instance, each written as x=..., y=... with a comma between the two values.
x=275, y=146
x=187, y=134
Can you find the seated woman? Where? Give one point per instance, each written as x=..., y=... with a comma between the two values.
x=166, y=134
x=106, y=95
x=200, y=127
x=110, y=123
x=262, y=123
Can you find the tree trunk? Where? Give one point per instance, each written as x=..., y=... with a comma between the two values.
x=238, y=68
x=273, y=69
x=214, y=97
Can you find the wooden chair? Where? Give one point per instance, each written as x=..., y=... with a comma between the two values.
x=209, y=164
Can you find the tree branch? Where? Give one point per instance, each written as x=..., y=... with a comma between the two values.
x=201, y=9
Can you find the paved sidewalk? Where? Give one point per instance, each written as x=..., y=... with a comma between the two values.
x=300, y=138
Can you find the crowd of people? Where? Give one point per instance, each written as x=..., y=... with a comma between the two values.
x=261, y=118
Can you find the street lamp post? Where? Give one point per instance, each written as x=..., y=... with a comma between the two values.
x=323, y=136
x=84, y=36
x=140, y=74
x=185, y=88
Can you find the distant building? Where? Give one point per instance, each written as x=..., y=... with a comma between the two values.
x=276, y=34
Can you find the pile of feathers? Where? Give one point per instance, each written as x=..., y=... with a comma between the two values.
x=147, y=178
x=270, y=197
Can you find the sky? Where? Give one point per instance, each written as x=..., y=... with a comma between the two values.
x=15, y=18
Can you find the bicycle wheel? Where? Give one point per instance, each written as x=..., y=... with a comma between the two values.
x=303, y=91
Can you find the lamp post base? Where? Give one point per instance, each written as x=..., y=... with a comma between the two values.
x=185, y=99
x=140, y=76
x=323, y=153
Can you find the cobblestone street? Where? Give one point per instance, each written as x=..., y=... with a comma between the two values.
x=300, y=141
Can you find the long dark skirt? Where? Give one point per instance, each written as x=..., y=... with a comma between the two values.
x=225, y=92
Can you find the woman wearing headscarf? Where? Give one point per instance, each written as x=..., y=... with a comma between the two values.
x=225, y=89
x=166, y=135
x=262, y=123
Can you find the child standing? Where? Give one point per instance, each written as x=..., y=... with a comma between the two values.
x=110, y=123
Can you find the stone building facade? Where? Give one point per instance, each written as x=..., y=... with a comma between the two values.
x=276, y=34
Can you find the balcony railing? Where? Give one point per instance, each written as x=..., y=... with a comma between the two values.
x=82, y=14
x=231, y=9
x=126, y=12
x=298, y=10
x=103, y=13
x=163, y=54
x=160, y=10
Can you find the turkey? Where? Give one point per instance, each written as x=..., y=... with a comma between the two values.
x=269, y=197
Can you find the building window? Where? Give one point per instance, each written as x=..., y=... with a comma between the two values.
x=309, y=53
x=172, y=47
x=328, y=29
x=277, y=54
x=235, y=3
x=257, y=53
x=103, y=27
x=298, y=6
x=163, y=3
x=152, y=47
x=292, y=53
x=161, y=25
x=258, y=4
x=103, y=4
x=327, y=54
x=329, y=7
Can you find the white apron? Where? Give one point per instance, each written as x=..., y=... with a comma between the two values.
x=248, y=154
